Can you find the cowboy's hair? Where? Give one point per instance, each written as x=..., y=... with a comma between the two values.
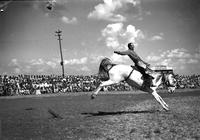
x=130, y=46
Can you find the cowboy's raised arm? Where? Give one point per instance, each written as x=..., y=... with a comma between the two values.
x=143, y=61
x=122, y=52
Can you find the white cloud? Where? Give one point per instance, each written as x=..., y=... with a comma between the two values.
x=15, y=65
x=153, y=58
x=39, y=65
x=192, y=61
x=96, y=58
x=178, y=53
x=33, y=66
x=69, y=21
x=157, y=37
x=85, y=68
x=51, y=64
x=175, y=57
x=112, y=29
x=107, y=10
x=166, y=62
x=27, y=69
x=76, y=61
x=197, y=54
x=14, y=62
x=17, y=70
x=116, y=37
x=111, y=33
x=112, y=42
x=132, y=34
x=41, y=70
x=39, y=61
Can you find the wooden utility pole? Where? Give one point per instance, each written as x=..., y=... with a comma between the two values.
x=58, y=33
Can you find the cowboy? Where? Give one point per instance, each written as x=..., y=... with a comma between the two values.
x=142, y=66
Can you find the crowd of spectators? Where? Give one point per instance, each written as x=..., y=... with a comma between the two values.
x=43, y=84
x=189, y=81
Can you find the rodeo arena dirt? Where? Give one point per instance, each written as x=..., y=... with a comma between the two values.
x=44, y=107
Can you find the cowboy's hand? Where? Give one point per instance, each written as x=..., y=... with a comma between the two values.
x=148, y=64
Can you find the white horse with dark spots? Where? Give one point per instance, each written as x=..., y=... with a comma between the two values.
x=117, y=73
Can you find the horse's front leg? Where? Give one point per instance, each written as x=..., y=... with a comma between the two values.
x=160, y=100
x=105, y=83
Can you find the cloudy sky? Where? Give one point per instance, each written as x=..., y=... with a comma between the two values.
x=165, y=32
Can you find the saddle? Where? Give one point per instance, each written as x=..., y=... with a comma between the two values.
x=145, y=76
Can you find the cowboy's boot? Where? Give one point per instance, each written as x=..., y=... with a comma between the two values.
x=150, y=80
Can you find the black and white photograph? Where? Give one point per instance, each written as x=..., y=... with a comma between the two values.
x=99, y=69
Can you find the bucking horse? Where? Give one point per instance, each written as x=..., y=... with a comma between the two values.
x=110, y=74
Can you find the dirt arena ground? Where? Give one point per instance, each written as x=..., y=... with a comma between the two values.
x=115, y=116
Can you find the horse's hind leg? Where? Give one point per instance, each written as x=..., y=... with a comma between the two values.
x=160, y=100
x=105, y=83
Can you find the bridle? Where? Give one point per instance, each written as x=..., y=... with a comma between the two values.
x=165, y=80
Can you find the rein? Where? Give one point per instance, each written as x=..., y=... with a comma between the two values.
x=129, y=75
x=112, y=65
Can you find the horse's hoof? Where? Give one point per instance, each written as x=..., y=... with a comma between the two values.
x=166, y=109
x=93, y=96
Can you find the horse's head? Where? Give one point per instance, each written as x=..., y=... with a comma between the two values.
x=170, y=82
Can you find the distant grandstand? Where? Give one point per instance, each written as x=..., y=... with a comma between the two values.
x=162, y=68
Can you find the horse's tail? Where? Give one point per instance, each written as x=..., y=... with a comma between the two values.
x=103, y=71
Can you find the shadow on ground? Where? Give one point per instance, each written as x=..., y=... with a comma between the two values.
x=102, y=113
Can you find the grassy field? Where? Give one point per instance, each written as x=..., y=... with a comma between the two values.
x=108, y=117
